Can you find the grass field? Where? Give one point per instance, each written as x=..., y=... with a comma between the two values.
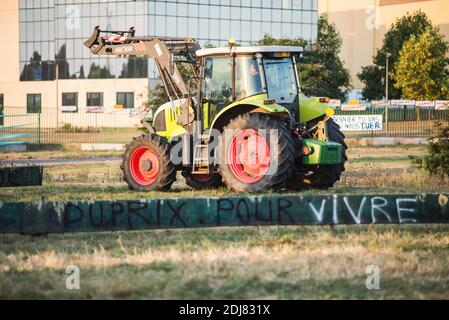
x=232, y=263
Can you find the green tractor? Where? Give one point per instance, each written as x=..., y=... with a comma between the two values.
x=241, y=121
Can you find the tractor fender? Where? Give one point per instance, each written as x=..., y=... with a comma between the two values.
x=311, y=108
x=242, y=107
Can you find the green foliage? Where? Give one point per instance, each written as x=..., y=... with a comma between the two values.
x=373, y=76
x=436, y=161
x=421, y=72
x=321, y=71
x=158, y=96
x=99, y=72
x=69, y=128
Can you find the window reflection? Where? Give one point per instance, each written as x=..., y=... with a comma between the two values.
x=52, y=32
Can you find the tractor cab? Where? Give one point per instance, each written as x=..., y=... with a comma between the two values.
x=242, y=74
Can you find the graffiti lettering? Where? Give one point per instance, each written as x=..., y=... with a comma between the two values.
x=232, y=211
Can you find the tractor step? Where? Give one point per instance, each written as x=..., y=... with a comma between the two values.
x=199, y=159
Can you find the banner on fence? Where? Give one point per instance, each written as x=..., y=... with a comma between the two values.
x=94, y=109
x=69, y=109
x=334, y=103
x=380, y=103
x=359, y=122
x=403, y=102
x=353, y=107
x=442, y=105
x=422, y=104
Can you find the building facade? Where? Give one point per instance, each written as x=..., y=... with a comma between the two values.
x=363, y=24
x=46, y=69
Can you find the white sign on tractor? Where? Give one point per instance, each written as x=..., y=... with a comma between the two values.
x=359, y=122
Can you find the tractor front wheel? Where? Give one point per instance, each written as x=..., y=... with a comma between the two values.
x=146, y=164
x=256, y=153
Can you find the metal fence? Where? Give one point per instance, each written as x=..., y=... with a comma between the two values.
x=119, y=126
x=400, y=121
x=51, y=127
x=17, y=129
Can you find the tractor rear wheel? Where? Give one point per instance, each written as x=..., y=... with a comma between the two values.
x=323, y=176
x=202, y=181
x=146, y=164
x=256, y=153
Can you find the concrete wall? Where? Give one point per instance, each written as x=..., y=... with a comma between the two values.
x=363, y=24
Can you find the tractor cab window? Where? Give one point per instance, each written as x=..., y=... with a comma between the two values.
x=248, y=77
x=218, y=80
x=281, y=79
x=216, y=86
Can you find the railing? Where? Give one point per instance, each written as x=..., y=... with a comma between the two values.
x=17, y=129
x=116, y=126
x=400, y=121
x=119, y=126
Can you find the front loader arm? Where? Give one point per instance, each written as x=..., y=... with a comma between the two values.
x=162, y=50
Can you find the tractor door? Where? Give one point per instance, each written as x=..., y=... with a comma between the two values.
x=216, y=88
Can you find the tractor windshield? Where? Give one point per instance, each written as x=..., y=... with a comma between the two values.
x=281, y=79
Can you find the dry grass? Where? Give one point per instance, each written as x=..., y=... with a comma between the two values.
x=247, y=263
x=263, y=262
x=370, y=170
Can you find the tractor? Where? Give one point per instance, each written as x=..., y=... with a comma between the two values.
x=241, y=119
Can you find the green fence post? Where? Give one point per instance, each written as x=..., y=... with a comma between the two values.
x=38, y=128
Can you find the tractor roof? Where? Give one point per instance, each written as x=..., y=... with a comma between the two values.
x=246, y=50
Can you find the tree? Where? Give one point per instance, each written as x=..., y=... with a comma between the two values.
x=436, y=160
x=158, y=96
x=373, y=76
x=421, y=72
x=321, y=71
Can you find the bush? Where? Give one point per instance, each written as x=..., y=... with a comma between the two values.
x=436, y=161
x=68, y=128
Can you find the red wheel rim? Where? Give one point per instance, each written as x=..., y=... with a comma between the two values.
x=203, y=177
x=144, y=165
x=249, y=156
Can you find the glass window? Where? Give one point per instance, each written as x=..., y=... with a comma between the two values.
x=286, y=15
x=204, y=28
x=214, y=12
x=307, y=4
x=69, y=102
x=225, y=12
x=248, y=77
x=296, y=4
x=94, y=99
x=125, y=99
x=277, y=15
x=34, y=103
x=171, y=9
x=217, y=84
x=281, y=79
x=256, y=14
x=306, y=17
x=182, y=9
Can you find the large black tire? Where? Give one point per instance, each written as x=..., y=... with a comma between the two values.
x=281, y=163
x=159, y=166
x=201, y=182
x=324, y=176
